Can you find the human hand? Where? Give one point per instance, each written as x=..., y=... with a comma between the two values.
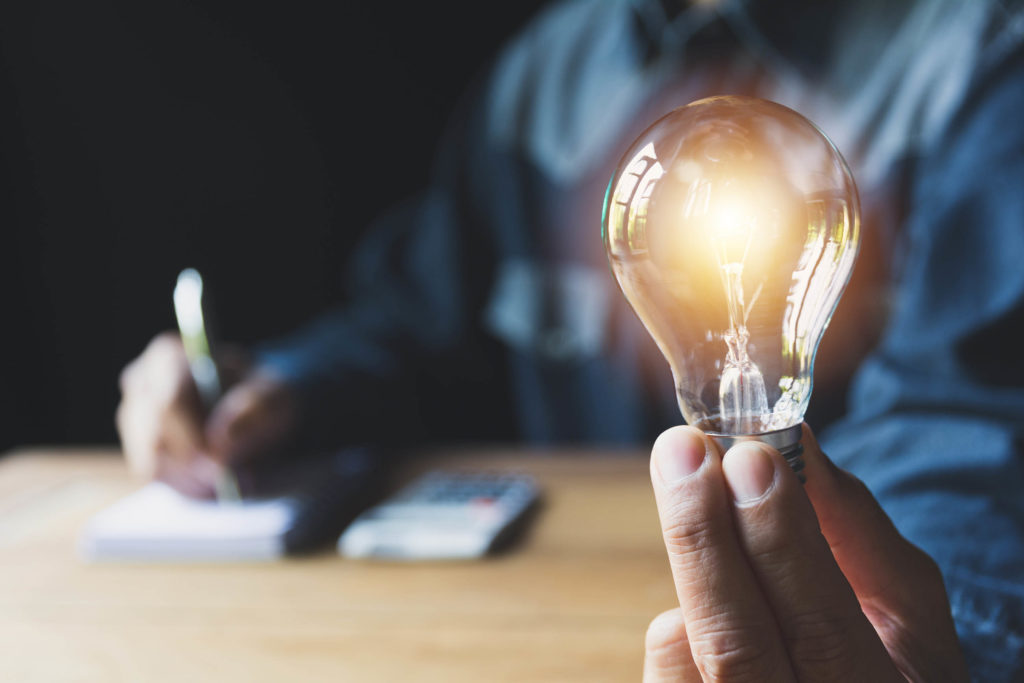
x=782, y=582
x=166, y=435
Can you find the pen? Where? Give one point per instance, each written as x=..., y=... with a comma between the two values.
x=188, y=308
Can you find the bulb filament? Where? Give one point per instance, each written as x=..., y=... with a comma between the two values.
x=743, y=399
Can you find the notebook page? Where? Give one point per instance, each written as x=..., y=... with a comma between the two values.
x=157, y=523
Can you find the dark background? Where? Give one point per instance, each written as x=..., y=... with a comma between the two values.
x=253, y=140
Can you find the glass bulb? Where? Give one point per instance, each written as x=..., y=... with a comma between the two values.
x=732, y=225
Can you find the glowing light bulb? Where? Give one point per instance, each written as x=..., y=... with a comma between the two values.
x=732, y=225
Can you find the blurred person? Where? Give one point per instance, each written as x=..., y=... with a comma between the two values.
x=483, y=309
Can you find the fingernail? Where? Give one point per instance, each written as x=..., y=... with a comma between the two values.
x=749, y=471
x=678, y=453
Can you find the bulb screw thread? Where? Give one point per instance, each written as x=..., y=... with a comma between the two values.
x=786, y=441
x=794, y=455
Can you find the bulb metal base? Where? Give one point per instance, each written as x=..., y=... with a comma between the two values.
x=786, y=441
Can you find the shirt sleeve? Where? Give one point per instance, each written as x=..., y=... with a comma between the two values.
x=936, y=427
x=413, y=300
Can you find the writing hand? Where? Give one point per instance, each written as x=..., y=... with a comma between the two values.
x=162, y=427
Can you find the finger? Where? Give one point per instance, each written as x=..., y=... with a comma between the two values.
x=161, y=368
x=667, y=651
x=194, y=479
x=137, y=423
x=889, y=575
x=180, y=460
x=870, y=551
x=138, y=429
x=732, y=633
x=252, y=418
x=181, y=434
x=159, y=417
x=234, y=426
x=160, y=405
x=826, y=634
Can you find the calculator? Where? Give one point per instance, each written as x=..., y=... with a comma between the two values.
x=443, y=515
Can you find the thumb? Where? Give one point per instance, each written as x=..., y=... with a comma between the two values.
x=898, y=585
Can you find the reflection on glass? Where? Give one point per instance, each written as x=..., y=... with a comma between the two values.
x=732, y=225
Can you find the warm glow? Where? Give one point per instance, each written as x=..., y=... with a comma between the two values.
x=732, y=226
x=732, y=219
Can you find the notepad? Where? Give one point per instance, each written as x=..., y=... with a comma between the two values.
x=294, y=506
x=156, y=523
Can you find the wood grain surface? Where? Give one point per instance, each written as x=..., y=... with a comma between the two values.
x=569, y=602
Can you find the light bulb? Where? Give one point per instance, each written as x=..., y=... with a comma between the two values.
x=732, y=225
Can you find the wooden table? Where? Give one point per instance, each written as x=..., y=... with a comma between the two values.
x=570, y=602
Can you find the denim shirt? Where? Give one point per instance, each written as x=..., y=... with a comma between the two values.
x=484, y=309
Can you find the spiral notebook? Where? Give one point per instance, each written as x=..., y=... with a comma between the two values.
x=157, y=524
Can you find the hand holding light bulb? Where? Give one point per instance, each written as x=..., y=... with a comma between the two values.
x=782, y=582
x=732, y=225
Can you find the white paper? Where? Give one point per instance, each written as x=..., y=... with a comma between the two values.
x=156, y=523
